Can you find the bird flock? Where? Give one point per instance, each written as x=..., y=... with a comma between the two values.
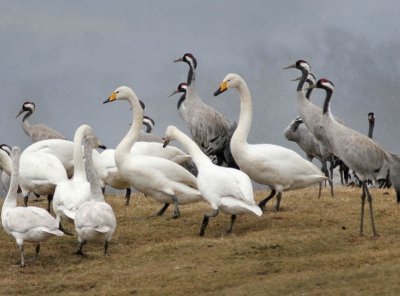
x=217, y=163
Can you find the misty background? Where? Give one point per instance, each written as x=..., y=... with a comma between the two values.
x=68, y=57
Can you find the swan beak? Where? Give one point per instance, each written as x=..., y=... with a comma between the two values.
x=166, y=142
x=310, y=87
x=179, y=60
x=20, y=112
x=101, y=146
x=296, y=79
x=174, y=92
x=222, y=88
x=111, y=98
x=290, y=67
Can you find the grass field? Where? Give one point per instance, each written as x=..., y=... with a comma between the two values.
x=311, y=247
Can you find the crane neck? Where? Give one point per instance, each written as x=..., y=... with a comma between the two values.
x=191, y=74
x=371, y=129
x=25, y=125
x=180, y=101
x=308, y=93
x=327, y=103
x=304, y=75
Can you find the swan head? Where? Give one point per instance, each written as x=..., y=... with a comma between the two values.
x=94, y=142
x=169, y=135
x=181, y=88
x=189, y=59
x=230, y=81
x=27, y=106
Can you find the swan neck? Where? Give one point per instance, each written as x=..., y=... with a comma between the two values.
x=95, y=188
x=191, y=147
x=79, y=165
x=11, y=198
x=246, y=115
x=124, y=147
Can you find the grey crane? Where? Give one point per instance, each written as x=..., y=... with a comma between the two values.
x=37, y=132
x=362, y=154
x=208, y=128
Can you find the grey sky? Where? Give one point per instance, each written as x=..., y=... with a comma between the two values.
x=68, y=56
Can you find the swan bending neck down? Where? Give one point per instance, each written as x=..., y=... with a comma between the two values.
x=226, y=189
x=95, y=219
x=30, y=224
x=279, y=168
x=160, y=178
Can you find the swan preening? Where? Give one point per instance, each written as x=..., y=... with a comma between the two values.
x=162, y=179
x=226, y=189
x=25, y=224
x=280, y=168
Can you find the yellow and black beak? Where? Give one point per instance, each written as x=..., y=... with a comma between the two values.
x=111, y=98
x=222, y=88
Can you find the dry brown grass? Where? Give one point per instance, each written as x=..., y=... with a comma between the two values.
x=311, y=247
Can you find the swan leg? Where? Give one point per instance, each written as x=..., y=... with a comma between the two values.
x=205, y=221
x=362, y=210
x=127, y=196
x=229, y=229
x=26, y=200
x=371, y=210
x=278, y=202
x=105, y=249
x=37, y=249
x=264, y=201
x=79, y=250
x=161, y=212
x=63, y=230
x=103, y=189
x=331, y=177
x=320, y=189
x=49, y=199
x=176, y=208
x=21, y=250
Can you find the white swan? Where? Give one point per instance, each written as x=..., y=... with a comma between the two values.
x=5, y=166
x=71, y=194
x=280, y=168
x=94, y=220
x=160, y=178
x=29, y=224
x=226, y=189
x=40, y=173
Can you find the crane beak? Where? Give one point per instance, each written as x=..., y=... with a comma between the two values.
x=111, y=98
x=166, y=142
x=296, y=79
x=222, y=88
x=290, y=67
x=174, y=92
x=179, y=60
x=310, y=87
x=20, y=112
